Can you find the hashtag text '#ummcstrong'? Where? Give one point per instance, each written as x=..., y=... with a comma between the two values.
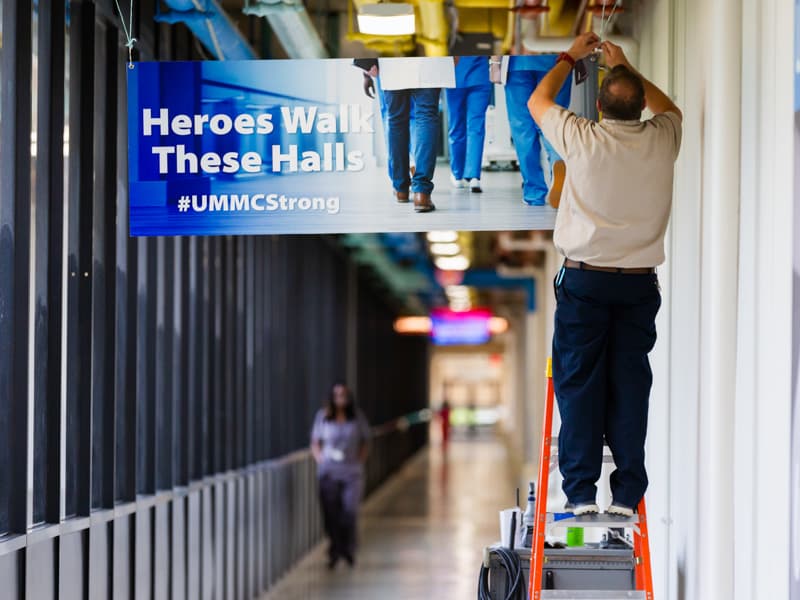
x=245, y=203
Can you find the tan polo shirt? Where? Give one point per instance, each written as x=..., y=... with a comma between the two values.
x=617, y=196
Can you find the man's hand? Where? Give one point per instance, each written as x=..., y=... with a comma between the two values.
x=544, y=96
x=369, y=85
x=614, y=55
x=584, y=45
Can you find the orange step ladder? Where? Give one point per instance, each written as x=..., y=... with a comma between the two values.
x=641, y=540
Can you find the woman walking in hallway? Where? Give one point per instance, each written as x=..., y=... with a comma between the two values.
x=339, y=443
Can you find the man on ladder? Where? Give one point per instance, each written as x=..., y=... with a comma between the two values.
x=610, y=229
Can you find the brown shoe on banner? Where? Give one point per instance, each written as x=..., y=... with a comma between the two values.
x=401, y=196
x=559, y=174
x=422, y=203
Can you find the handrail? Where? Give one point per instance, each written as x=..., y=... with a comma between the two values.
x=404, y=422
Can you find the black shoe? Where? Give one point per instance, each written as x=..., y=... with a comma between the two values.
x=350, y=559
x=332, y=562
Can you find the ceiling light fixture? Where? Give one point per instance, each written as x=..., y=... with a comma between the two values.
x=457, y=291
x=387, y=18
x=442, y=236
x=498, y=325
x=445, y=248
x=413, y=325
x=460, y=305
x=452, y=263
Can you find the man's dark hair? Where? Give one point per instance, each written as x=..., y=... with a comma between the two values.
x=622, y=95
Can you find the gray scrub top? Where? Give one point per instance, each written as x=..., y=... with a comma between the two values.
x=340, y=444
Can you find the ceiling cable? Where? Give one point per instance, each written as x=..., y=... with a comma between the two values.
x=604, y=23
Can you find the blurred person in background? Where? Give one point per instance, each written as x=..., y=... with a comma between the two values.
x=444, y=418
x=340, y=444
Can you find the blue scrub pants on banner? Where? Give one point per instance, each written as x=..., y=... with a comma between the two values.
x=426, y=129
x=467, y=111
x=526, y=134
x=604, y=331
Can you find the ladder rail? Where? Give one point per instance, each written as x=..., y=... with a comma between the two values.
x=641, y=545
x=540, y=524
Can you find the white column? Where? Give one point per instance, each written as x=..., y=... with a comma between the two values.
x=719, y=299
x=763, y=398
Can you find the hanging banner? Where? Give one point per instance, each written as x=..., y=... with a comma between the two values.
x=334, y=146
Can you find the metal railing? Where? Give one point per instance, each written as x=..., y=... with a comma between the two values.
x=233, y=534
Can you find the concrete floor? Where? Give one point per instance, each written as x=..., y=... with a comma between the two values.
x=423, y=532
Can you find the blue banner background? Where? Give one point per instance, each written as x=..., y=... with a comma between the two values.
x=344, y=201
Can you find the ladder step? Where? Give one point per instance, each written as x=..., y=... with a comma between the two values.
x=603, y=520
x=592, y=595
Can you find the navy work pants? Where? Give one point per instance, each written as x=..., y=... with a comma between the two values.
x=340, y=497
x=604, y=331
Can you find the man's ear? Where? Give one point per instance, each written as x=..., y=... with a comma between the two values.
x=599, y=108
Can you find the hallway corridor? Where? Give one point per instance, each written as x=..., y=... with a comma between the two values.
x=422, y=534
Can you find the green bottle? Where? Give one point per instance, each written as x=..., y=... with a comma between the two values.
x=575, y=537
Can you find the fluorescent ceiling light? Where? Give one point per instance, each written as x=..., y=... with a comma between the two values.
x=445, y=248
x=457, y=291
x=387, y=18
x=452, y=263
x=442, y=236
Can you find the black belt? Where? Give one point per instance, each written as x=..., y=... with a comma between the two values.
x=573, y=264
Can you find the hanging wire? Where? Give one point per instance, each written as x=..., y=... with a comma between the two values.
x=127, y=30
x=604, y=23
x=611, y=16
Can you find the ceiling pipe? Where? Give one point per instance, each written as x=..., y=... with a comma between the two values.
x=292, y=25
x=211, y=25
x=577, y=27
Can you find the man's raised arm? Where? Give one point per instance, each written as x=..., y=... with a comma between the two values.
x=657, y=101
x=544, y=96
